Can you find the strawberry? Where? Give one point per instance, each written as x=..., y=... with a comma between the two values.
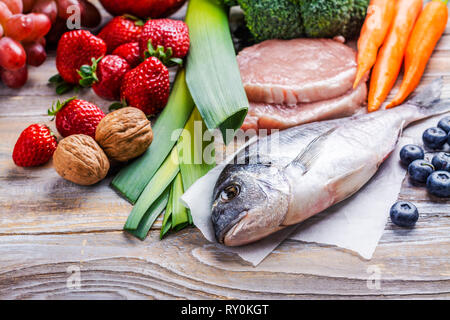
x=105, y=76
x=147, y=86
x=166, y=39
x=121, y=30
x=77, y=48
x=75, y=116
x=130, y=52
x=35, y=146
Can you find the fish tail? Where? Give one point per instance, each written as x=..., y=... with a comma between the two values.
x=426, y=103
x=429, y=95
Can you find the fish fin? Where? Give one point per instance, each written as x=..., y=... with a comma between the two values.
x=309, y=154
x=348, y=184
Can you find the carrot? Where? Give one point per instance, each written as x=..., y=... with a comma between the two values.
x=428, y=30
x=390, y=57
x=378, y=20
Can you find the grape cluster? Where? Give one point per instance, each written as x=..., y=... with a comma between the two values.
x=27, y=25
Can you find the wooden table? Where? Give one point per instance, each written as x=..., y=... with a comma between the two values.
x=54, y=233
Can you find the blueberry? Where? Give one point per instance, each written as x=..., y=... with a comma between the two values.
x=438, y=184
x=404, y=214
x=441, y=161
x=411, y=152
x=419, y=170
x=434, y=138
x=444, y=124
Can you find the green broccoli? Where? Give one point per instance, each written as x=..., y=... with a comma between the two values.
x=353, y=28
x=230, y=3
x=325, y=18
x=272, y=19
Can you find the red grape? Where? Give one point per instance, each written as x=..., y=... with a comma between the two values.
x=5, y=13
x=14, y=5
x=19, y=26
x=13, y=55
x=14, y=79
x=42, y=41
x=47, y=7
x=28, y=5
x=36, y=54
x=90, y=16
x=41, y=26
x=1, y=31
x=64, y=7
x=58, y=29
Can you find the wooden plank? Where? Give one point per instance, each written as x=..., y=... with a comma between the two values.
x=114, y=265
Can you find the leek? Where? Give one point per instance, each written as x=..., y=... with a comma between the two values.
x=132, y=179
x=180, y=217
x=160, y=181
x=151, y=215
x=193, y=149
x=212, y=72
x=167, y=221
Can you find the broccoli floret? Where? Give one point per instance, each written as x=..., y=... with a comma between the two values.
x=230, y=3
x=325, y=18
x=272, y=19
x=358, y=16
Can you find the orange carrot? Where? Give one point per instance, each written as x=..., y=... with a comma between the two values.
x=428, y=30
x=378, y=20
x=390, y=57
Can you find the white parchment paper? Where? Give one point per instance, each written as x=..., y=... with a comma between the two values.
x=356, y=224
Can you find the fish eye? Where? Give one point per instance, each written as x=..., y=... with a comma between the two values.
x=230, y=192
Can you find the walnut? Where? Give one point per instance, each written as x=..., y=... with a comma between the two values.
x=78, y=158
x=124, y=134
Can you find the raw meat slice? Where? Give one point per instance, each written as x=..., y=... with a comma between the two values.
x=297, y=71
x=276, y=116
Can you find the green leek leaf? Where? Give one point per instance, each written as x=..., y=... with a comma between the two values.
x=212, y=72
x=180, y=218
x=151, y=215
x=167, y=221
x=163, y=177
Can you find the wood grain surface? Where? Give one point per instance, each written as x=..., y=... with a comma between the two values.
x=51, y=228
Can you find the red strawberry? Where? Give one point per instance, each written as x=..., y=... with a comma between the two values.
x=165, y=39
x=130, y=52
x=77, y=48
x=76, y=117
x=121, y=30
x=147, y=86
x=105, y=76
x=35, y=146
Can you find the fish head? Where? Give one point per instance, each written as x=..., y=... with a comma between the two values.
x=250, y=202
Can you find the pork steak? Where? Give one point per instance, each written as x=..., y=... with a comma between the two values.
x=279, y=116
x=297, y=71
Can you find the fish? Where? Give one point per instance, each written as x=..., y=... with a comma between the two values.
x=287, y=177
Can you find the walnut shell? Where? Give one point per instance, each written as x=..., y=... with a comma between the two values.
x=78, y=158
x=124, y=134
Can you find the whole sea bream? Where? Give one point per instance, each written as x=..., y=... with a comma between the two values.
x=287, y=177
